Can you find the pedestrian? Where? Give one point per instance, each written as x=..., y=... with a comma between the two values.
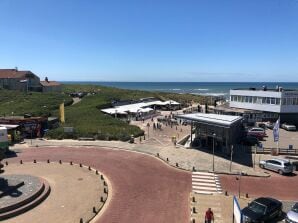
x=209, y=216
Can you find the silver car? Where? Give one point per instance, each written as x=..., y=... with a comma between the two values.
x=278, y=165
x=292, y=215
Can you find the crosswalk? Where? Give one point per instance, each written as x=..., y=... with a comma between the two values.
x=205, y=183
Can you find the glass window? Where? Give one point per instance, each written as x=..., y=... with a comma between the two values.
x=278, y=101
x=272, y=101
x=289, y=101
x=284, y=101
x=263, y=100
x=250, y=99
x=254, y=99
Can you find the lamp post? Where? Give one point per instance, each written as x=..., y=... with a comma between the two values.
x=213, y=151
x=148, y=126
x=239, y=182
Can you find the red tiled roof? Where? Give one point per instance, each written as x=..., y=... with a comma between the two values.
x=49, y=83
x=13, y=73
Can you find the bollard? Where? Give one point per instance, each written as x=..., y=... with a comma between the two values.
x=177, y=165
x=94, y=210
x=193, y=168
x=194, y=210
x=89, y=168
x=60, y=161
x=101, y=199
x=193, y=199
x=34, y=161
x=6, y=163
x=226, y=193
x=246, y=195
x=96, y=172
x=105, y=190
x=70, y=162
x=48, y=161
x=21, y=161
x=193, y=220
x=157, y=154
x=167, y=159
x=105, y=183
x=81, y=220
x=101, y=176
x=80, y=165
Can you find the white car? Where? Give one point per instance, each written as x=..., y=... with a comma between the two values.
x=288, y=127
x=281, y=166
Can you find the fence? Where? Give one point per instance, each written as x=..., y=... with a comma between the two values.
x=282, y=151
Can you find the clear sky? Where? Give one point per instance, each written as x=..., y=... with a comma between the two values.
x=151, y=40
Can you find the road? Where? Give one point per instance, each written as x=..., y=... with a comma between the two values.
x=144, y=189
x=276, y=186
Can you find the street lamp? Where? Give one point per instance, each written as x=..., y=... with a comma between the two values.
x=148, y=126
x=213, y=151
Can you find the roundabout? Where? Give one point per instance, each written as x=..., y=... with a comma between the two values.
x=52, y=192
x=144, y=189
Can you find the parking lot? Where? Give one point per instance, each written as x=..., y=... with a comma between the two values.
x=286, y=138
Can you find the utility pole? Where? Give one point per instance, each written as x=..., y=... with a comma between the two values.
x=213, y=151
x=232, y=148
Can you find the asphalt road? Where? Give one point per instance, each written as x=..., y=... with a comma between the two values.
x=144, y=188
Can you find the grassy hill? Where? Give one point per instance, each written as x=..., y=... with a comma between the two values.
x=35, y=103
x=85, y=116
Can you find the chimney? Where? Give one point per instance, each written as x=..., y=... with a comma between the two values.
x=46, y=79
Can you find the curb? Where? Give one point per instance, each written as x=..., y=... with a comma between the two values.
x=97, y=211
x=152, y=155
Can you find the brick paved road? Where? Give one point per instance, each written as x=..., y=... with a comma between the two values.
x=144, y=188
x=280, y=187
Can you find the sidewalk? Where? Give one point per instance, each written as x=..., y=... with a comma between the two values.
x=186, y=159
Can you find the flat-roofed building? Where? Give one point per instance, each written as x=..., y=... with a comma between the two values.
x=225, y=130
x=273, y=103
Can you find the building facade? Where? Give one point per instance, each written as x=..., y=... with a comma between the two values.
x=272, y=103
x=13, y=79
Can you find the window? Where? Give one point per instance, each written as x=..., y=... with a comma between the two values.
x=250, y=99
x=263, y=100
x=254, y=100
x=284, y=101
x=272, y=101
x=278, y=101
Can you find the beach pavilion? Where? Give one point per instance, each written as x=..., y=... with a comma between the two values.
x=140, y=110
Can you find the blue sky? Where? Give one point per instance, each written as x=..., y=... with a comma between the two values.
x=152, y=40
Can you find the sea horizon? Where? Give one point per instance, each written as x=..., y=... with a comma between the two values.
x=196, y=88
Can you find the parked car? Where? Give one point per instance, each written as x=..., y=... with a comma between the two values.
x=269, y=125
x=257, y=132
x=249, y=141
x=288, y=127
x=281, y=166
x=292, y=215
x=262, y=209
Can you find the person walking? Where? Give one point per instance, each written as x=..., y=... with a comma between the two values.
x=209, y=217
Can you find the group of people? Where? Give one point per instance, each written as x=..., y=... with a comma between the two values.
x=156, y=126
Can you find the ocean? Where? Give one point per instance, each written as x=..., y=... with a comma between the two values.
x=199, y=88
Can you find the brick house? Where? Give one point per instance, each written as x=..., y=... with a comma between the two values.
x=13, y=79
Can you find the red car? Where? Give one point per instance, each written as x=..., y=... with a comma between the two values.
x=259, y=133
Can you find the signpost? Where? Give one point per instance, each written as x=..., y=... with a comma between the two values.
x=237, y=214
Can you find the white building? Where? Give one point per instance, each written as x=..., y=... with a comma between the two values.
x=273, y=103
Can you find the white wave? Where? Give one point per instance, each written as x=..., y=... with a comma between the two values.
x=201, y=89
x=176, y=89
x=211, y=94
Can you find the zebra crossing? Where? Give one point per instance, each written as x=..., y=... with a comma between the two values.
x=205, y=183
